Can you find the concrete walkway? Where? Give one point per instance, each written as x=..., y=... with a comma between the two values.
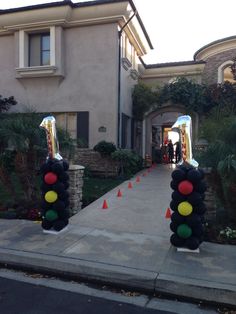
x=126, y=244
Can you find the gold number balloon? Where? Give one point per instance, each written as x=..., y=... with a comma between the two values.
x=184, y=124
x=49, y=125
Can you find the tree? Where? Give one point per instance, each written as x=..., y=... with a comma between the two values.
x=143, y=100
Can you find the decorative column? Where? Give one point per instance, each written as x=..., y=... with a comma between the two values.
x=76, y=173
x=187, y=199
x=55, y=198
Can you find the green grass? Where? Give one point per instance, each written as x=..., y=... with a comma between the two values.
x=96, y=187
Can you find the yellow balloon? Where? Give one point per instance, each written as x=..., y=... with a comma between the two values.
x=185, y=208
x=51, y=196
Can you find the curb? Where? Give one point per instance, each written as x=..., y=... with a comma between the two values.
x=125, y=277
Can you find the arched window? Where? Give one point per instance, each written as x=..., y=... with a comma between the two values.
x=224, y=72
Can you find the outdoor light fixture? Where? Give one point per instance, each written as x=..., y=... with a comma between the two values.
x=233, y=68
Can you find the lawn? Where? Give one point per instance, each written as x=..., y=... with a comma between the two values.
x=96, y=187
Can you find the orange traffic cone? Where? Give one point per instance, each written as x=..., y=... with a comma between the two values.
x=130, y=186
x=138, y=179
x=119, y=194
x=168, y=213
x=105, y=205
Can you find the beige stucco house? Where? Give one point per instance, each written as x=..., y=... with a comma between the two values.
x=80, y=61
x=76, y=61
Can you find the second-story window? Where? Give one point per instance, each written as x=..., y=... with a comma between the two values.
x=39, y=49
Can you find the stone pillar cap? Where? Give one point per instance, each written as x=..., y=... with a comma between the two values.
x=76, y=167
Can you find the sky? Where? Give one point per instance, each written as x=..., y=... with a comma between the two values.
x=177, y=28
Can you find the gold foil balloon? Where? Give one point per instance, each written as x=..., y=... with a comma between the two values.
x=184, y=124
x=49, y=125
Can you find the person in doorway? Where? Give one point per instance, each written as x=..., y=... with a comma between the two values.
x=170, y=151
x=177, y=152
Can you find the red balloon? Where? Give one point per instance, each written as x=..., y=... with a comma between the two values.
x=185, y=187
x=50, y=178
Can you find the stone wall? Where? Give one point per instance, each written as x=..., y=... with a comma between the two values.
x=210, y=197
x=210, y=73
x=95, y=163
x=75, y=173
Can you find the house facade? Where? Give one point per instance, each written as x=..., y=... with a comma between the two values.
x=80, y=62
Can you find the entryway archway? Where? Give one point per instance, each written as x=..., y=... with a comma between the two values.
x=157, y=128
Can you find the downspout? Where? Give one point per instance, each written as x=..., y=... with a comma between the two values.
x=119, y=80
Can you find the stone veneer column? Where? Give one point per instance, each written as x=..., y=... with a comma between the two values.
x=75, y=173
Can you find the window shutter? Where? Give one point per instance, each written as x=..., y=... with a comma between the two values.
x=83, y=127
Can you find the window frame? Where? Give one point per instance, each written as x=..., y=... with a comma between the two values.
x=23, y=68
x=43, y=34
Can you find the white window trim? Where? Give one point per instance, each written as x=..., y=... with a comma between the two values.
x=24, y=69
x=221, y=70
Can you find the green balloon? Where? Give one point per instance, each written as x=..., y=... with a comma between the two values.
x=51, y=215
x=184, y=231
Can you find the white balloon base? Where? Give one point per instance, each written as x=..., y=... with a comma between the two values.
x=185, y=250
x=55, y=232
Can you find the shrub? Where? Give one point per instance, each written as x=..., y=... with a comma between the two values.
x=220, y=131
x=22, y=149
x=130, y=162
x=105, y=148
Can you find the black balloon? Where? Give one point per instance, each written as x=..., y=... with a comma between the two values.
x=58, y=168
x=45, y=205
x=64, y=214
x=173, y=226
x=178, y=175
x=192, y=243
x=46, y=225
x=65, y=165
x=177, y=241
x=59, y=187
x=174, y=205
x=194, y=176
x=198, y=230
x=193, y=220
x=66, y=184
x=64, y=195
x=174, y=185
x=201, y=187
x=177, y=218
x=60, y=224
x=46, y=167
x=45, y=187
x=64, y=177
x=195, y=199
x=178, y=197
x=202, y=173
x=200, y=209
x=59, y=205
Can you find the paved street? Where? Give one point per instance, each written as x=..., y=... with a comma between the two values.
x=22, y=298
x=22, y=293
